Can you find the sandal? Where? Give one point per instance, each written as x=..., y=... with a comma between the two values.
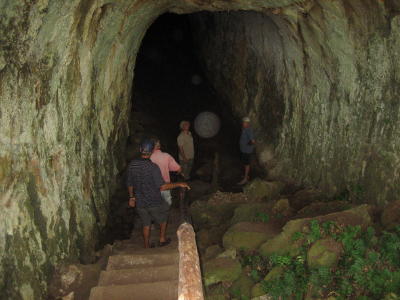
x=162, y=244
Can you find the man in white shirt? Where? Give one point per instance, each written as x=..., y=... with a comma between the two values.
x=186, y=149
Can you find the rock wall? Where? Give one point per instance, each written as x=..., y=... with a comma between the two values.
x=66, y=70
x=321, y=83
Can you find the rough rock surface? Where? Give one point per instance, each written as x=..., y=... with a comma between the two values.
x=321, y=82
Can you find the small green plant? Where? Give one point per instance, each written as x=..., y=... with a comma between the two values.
x=369, y=267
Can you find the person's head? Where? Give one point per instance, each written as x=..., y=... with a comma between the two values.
x=184, y=125
x=157, y=144
x=246, y=122
x=146, y=147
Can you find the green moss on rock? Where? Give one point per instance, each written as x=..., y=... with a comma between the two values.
x=324, y=253
x=242, y=287
x=257, y=290
x=259, y=189
x=249, y=212
x=248, y=236
x=221, y=270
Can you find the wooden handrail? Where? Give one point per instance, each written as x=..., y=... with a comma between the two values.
x=190, y=286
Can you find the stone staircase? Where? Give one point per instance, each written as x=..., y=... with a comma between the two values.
x=135, y=273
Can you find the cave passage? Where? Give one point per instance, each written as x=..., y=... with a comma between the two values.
x=169, y=86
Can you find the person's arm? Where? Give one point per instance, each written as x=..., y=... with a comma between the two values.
x=173, y=166
x=170, y=186
x=182, y=152
x=132, y=198
x=180, y=147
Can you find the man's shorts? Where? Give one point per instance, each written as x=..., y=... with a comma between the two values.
x=245, y=158
x=157, y=213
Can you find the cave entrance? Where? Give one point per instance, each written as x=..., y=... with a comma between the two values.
x=169, y=86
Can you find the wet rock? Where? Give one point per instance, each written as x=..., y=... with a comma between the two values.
x=261, y=190
x=250, y=212
x=283, y=242
x=324, y=253
x=248, y=236
x=390, y=217
x=241, y=288
x=221, y=270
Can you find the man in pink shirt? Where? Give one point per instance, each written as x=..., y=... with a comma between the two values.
x=167, y=164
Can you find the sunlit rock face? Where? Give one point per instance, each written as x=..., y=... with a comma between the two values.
x=321, y=83
x=319, y=80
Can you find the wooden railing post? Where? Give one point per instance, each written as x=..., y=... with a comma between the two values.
x=190, y=285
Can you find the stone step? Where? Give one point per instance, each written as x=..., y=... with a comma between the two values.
x=139, y=275
x=135, y=249
x=161, y=290
x=129, y=261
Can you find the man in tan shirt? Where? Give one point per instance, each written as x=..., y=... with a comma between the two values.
x=186, y=149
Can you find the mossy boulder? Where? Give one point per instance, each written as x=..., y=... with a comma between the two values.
x=221, y=270
x=391, y=215
x=249, y=212
x=324, y=253
x=257, y=290
x=258, y=189
x=242, y=287
x=323, y=208
x=248, y=236
x=283, y=243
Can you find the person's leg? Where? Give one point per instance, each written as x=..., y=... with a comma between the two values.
x=163, y=229
x=184, y=168
x=245, y=158
x=160, y=214
x=146, y=236
x=146, y=222
x=189, y=168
